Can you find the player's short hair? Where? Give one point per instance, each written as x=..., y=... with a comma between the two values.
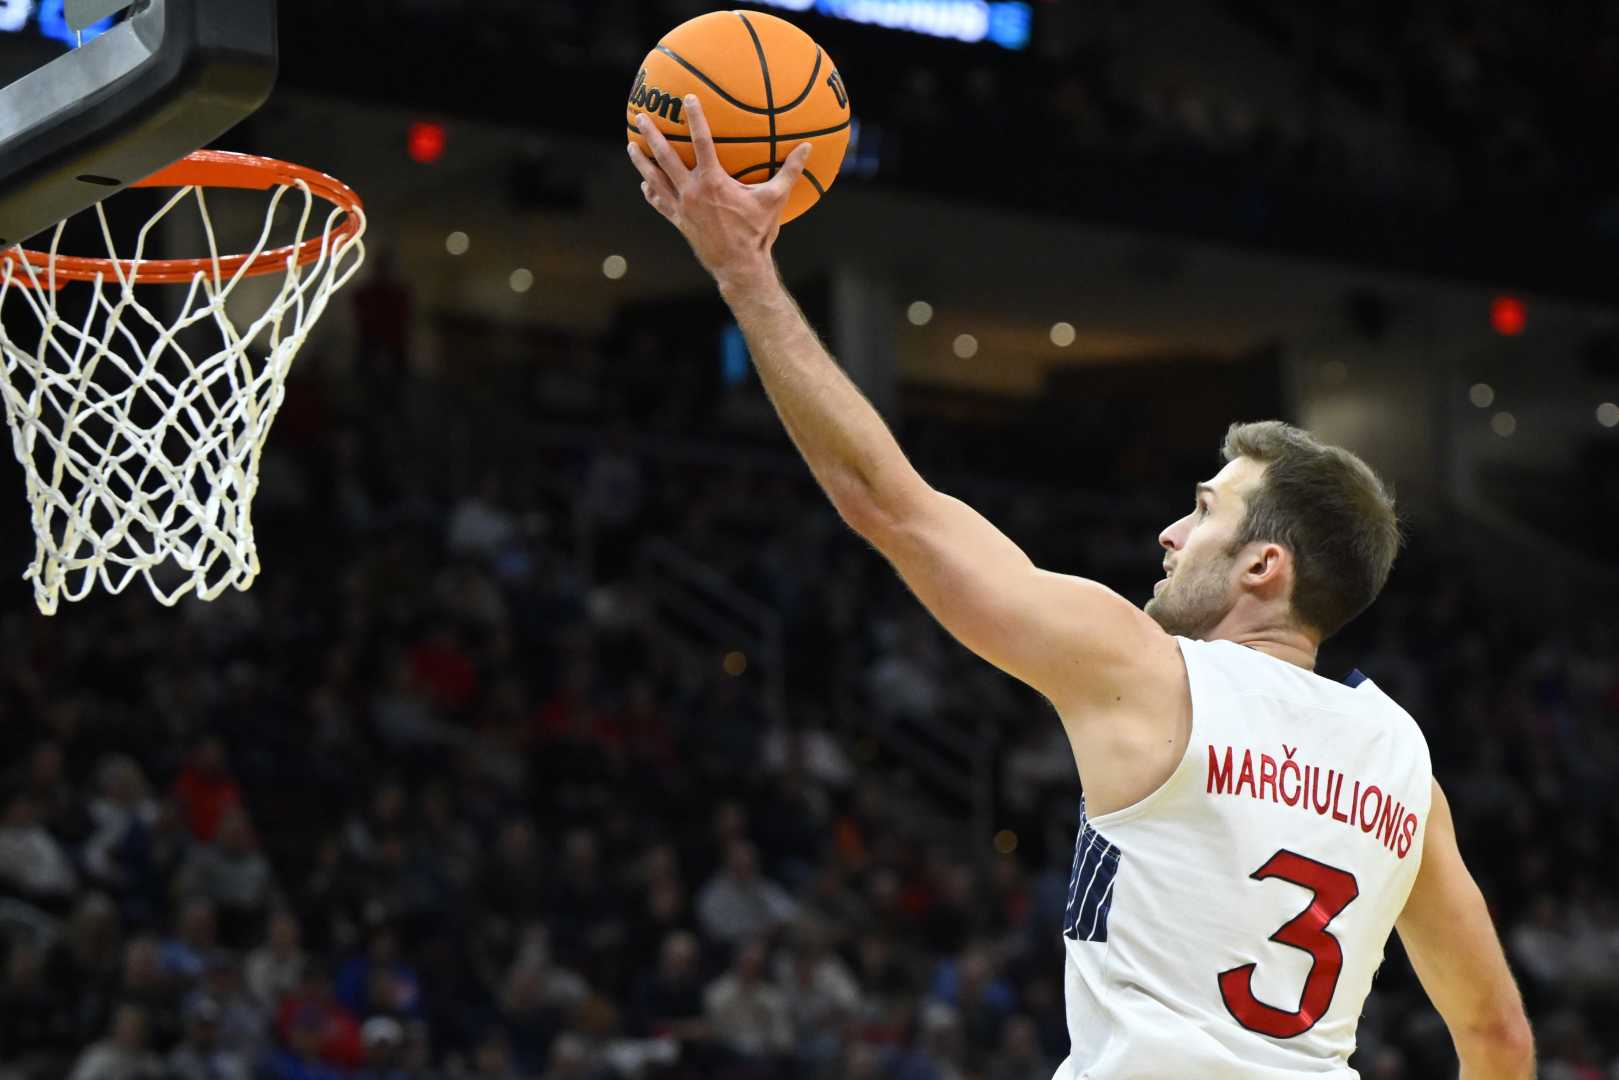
x=1329, y=509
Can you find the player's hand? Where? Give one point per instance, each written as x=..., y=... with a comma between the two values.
x=730, y=225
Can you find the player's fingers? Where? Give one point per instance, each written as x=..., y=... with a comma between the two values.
x=652, y=177
x=702, y=139
x=661, y=202
x=792, y=170
x=664, y=154
x=658, y=188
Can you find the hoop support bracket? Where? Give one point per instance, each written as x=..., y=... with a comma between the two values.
x=169, y=79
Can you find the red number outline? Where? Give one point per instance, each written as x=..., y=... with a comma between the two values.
x=1331, y=890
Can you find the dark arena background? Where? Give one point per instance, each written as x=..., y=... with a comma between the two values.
x=568, y=733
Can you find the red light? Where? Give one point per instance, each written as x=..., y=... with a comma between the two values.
x=1508, y=315
x=425, y=143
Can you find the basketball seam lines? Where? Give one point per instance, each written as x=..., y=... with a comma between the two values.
x=770, y=97
x=787, y=137
x=816, y=184
x=799, y=100
x=769, y=111
x=712, y=85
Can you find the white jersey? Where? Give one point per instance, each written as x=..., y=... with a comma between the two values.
x=1229, y=924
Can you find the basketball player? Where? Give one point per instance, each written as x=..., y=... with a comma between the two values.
x=1251, y=832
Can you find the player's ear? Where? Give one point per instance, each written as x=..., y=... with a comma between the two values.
x=1268, y=560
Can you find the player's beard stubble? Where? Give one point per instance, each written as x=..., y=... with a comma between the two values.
x=1194, y=600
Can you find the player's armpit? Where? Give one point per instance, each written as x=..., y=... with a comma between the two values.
x=1446, y=930
x=1077, y=642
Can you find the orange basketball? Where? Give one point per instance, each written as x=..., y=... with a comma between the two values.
x=765, y=87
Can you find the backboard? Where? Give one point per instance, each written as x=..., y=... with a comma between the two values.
x=168, y=78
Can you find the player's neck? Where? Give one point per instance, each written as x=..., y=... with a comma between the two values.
x=1250, y=628
x=1293, y=648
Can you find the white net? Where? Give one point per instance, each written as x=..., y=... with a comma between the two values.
x=141, y=435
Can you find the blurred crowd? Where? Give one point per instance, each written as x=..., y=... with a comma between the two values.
x=1508, y=89
x=1406, y=119
x=442, y=797
x=426, y=803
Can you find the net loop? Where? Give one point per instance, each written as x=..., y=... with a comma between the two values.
x=141, y=434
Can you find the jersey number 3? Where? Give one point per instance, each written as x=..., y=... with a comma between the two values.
x=1334, y=890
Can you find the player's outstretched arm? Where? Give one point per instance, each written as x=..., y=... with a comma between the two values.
x=732, y=228
x=1447, y=933
x=1081, y=645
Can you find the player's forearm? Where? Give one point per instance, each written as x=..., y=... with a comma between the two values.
x=841, y=435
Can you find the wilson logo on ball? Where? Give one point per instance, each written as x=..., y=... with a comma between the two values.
x=652, y=100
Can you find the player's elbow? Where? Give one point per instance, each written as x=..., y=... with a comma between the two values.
x=858, y=509
x=877, y=516
x=1503, y=1046
x=1517, y=1043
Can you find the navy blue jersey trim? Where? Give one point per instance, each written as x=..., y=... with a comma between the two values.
x=1090, y=886
x=1355, y=678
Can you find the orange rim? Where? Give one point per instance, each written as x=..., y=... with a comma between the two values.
x=215, y=169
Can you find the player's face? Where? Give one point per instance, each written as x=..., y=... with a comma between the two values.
x=1200, y=583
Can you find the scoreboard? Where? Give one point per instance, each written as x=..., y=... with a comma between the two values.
x=45, y=18
x=1007, y=23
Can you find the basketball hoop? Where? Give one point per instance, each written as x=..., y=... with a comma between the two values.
x=141, y=449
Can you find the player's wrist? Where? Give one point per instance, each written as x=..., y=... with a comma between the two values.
x=747, y=280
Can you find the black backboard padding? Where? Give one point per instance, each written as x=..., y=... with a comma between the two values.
x=171, y=78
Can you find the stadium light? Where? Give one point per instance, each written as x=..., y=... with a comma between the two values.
x=1508, y=316
x=425, y=142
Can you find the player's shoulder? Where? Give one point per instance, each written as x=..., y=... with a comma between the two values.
x=1386, y=710
x=1375, y=714
x=1131, y=664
